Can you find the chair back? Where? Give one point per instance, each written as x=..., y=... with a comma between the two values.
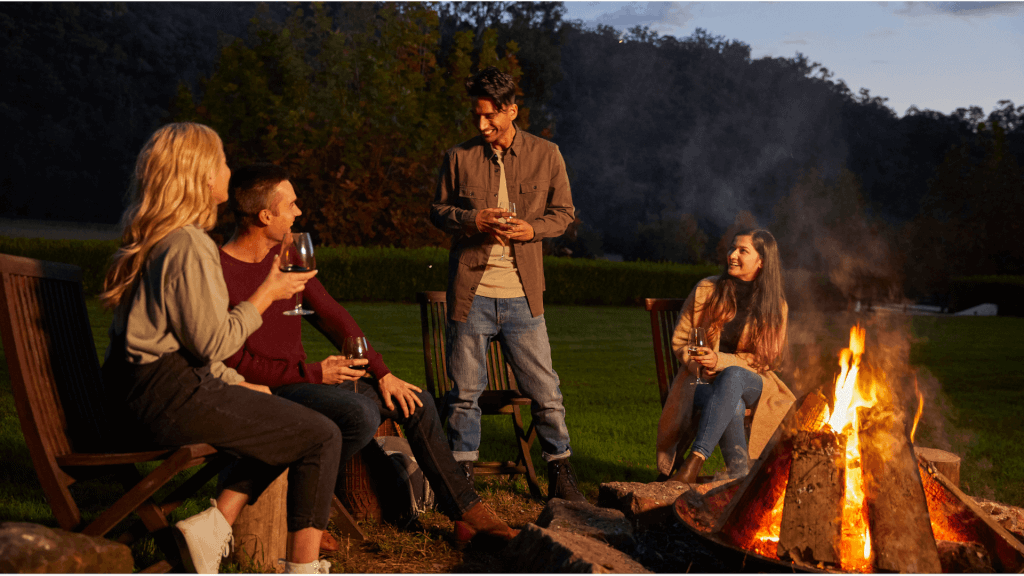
x=664, y=317
x=55, y=373
x=433, y=320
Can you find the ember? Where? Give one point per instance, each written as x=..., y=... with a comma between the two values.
x=841, y=489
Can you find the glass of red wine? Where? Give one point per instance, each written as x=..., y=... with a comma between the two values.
x=355, y=348
x=297, y=256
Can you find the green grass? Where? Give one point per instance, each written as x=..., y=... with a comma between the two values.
x=605, y=361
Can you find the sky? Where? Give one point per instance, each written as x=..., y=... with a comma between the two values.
x=934, y=55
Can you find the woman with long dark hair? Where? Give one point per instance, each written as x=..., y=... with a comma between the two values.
x=744, y=314
x=171, y=330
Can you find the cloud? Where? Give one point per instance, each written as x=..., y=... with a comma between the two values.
x=961, y=9
x=659, y=15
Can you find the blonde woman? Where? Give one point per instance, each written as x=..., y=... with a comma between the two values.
x=171, y=329
x=744, y=313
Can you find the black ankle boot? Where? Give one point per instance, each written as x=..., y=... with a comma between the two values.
x=467, y=469
x=562, y=481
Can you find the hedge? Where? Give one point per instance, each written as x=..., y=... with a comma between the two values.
x=396, y=274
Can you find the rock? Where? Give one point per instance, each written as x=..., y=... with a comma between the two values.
x=31, y=548
x=585, y=519
x=538, y=549
x=648, y=505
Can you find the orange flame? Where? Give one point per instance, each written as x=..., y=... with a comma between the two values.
x=920, y=409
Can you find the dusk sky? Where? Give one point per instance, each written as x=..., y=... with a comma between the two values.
x=935, y=55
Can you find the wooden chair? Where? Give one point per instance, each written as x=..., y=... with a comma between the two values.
x=664, y=317
x=59, y=394
x=502, y=396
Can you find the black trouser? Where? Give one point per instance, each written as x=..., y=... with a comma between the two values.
x=175, y=402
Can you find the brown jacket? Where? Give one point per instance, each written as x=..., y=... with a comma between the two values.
x=677, y=428
x=537, y=183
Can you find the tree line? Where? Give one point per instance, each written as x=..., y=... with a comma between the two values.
x=671, y=143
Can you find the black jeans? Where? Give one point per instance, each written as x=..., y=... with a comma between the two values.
x=173, y=402
x=347, y=403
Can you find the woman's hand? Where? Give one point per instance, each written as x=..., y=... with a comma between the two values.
x=279, y=285
x=708, y=361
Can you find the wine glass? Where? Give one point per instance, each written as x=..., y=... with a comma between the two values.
x=698, y=340
x=297, y=256
x=511, y=208
x=355, y=348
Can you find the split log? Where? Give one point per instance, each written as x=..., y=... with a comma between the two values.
x=964, y=557
x=901, y=532
x=947, y=463
x=261, y=529
x=812, y=519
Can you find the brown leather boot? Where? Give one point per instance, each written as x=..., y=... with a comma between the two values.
x=482, y=526
x=687, y=473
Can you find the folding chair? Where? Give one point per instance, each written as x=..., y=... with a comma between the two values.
x=501, y=397
x=60, y=397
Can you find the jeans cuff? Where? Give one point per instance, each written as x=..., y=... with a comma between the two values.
x=464, y=456
x=549, y=457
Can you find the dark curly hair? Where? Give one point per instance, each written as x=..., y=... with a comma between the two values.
x=494, y=84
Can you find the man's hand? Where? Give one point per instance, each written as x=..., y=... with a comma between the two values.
x=336, y=369
x=519, y=230
x=489, y=221
x=392, y=386
x=255, y=387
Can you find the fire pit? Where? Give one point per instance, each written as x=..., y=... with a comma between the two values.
x=840, y=489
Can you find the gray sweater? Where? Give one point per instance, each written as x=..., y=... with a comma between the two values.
x=181, y=301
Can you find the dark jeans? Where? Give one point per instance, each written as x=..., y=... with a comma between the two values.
x=174, y=402
x=361, y=406
x=722, y=404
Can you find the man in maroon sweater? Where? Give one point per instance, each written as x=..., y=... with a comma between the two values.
x=264, y=204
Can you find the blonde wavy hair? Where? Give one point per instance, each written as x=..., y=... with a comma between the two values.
x=169, y=190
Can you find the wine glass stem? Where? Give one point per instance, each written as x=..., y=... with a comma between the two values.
x=298, y=300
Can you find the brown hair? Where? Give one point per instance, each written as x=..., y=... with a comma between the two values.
x=767, y=303
x=169, y=190
x=252, y=190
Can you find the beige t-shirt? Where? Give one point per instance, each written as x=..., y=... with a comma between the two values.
x=501, y=278
x=181, y=300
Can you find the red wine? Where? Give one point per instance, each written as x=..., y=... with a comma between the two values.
x=295, y=268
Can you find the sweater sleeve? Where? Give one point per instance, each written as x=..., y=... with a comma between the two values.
x=273, y=372
x=334, y=322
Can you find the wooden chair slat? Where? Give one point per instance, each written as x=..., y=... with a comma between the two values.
x=500, y=398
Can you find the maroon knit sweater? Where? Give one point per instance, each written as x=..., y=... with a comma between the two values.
x=273, y=354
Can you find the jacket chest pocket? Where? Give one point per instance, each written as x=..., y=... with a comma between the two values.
x=472, y=197
x=533, y=197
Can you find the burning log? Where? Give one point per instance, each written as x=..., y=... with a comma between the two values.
x=901, y=532
x=812, y=515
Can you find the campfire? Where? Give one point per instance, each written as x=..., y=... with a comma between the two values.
x=839, y=488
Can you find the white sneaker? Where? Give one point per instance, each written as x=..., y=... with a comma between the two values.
x=315, y=567
x=203, y=540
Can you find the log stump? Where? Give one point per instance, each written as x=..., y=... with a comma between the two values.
x=947, y=463
x=261, y=529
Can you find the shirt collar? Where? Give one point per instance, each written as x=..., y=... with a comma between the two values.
x=516, y=142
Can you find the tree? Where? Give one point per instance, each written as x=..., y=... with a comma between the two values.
x=357, y=106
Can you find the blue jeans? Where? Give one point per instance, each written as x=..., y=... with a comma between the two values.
x=722, y=404
x=524, y=342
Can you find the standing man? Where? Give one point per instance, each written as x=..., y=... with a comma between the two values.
x=493, y=297
x=264, y=204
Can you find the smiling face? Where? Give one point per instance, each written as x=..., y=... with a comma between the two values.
x=744, y=261
x=281, y=214
x=494, y=125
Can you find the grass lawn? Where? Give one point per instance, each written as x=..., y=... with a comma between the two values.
x=606, y=364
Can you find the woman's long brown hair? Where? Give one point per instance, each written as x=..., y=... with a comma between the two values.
x=767, y=304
